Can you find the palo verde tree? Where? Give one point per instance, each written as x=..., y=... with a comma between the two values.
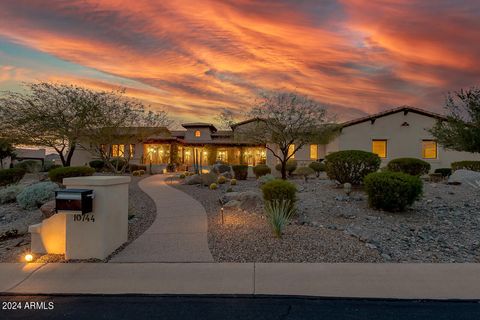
x=48, y=115
x=461, y=130
x=286, y=122
x=119, y=120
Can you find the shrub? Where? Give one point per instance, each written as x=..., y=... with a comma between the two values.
x=138, y=173
x=392, y=191
x=279, y=212
x=351, y=165
x=467, y=165
x=30, y=166
x=279, y=189
x=213, y=186
x=221, y=168
x=261, y=170
x=136, y=167
x=317, y=167
x=230, y=189
x=170, y=167
x=290, y=166
x=221, y=180
x=233, y=182
x=9, y=193
x=49, y=165
x=57, y=175
x=240, y=171
x=445, y=172
x=36, y=195
x=411, y=166
x=118, y=163
x=98, y=165
x=264, y=179
x=304, y=172
x=10, y=176
x=182, y=176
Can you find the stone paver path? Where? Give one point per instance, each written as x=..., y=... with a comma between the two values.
x=179, y=232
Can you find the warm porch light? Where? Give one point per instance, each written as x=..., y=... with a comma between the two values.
x=28, y=257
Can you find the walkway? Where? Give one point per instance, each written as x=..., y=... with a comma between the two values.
x=179, y=232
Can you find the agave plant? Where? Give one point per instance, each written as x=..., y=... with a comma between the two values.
x=279, y=212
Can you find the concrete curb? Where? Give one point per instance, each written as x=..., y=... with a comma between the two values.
x=389, y=281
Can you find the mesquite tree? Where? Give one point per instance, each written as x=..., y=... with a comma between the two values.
x=286, y=119
x=461, y=130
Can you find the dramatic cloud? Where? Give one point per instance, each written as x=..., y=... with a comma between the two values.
x=196, y=57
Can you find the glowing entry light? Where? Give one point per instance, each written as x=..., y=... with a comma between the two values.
x=28, y=257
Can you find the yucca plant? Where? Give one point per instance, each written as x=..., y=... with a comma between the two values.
x=279, y=212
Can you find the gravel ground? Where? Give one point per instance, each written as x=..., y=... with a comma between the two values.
x=142, y=212
x=246, y=237
x=444, y=226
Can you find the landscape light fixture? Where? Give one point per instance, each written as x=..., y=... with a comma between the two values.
x=29, y=257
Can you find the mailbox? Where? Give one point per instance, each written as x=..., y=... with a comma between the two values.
x=79, y=200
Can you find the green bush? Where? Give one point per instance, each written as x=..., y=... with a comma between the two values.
x=10, y=176
x=411, y=166
x=49, y=165
x=136, y=167
x=279, y=212
x=290, y=166
x=57, y=175
x=221, y=168
x=392, y=191
x=9, y=193
x=261, y=170
x=279, y=189
x=221, y=180
x=467, y=165
x=304, y=172
x=98, y=165
x=240, y=171
x=170, y=167
x=35, y=195
x=317, y=167
x=351, y=165
x=30, y=166
x=213, y=186
x=445, y=172
x=182, y=176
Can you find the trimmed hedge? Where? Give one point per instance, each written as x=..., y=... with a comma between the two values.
x=445, y=172
x=240, y=171
x=351, y=165
x=392, y=191
x=304, y=172
x=317, y=167
x=290, y=166
x=279, y=189
x=467, y=165
x=98, y=165
x=10, y=176
x=411, y=166
x=57, y=175
x=261, y=170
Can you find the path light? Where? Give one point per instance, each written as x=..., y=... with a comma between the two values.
x=29, y=257
x=221, y=210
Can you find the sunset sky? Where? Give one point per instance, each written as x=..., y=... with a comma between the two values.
x=195, y=57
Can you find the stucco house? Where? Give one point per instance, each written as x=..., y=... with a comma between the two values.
x=395, y=133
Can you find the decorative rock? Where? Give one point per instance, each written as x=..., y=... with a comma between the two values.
x=465, y=177
x=194, y=179
x=48, y=209
x=232, y=204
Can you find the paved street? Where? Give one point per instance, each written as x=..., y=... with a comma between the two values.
x=228, y=307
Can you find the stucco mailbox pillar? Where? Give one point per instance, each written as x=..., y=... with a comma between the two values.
x=99, y=233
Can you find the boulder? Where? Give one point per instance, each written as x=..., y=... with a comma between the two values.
x=194, y=179
x=227, y=175
x=229, y=196
x=467, y=177
x=221, y=168
x=250, y=200
x=48, y=209
x=232, y=204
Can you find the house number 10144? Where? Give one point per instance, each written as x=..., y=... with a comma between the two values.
x=84, y=217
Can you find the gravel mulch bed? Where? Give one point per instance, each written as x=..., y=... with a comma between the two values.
x=444, y=226
x=246, y=237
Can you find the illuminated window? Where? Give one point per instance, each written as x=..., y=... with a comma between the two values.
x=380, y=147
x=313, y=152
x=291, y=150
x=222, y=155
x=131, y=151
x=118, y=150
x=429, y=149
x=198, y=133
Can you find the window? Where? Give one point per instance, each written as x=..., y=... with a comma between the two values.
x=222, y=155
x=380, y=147
x=291, y=149
x=131, y=151
x=313, y=152
x=429, y=149
x=197, y=133
x=118, y=150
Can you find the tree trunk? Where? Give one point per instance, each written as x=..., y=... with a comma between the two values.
x=284, y=170
x=69, y=156
x=62, y=158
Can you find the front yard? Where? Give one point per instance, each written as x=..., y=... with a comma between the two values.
x=444, y=226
